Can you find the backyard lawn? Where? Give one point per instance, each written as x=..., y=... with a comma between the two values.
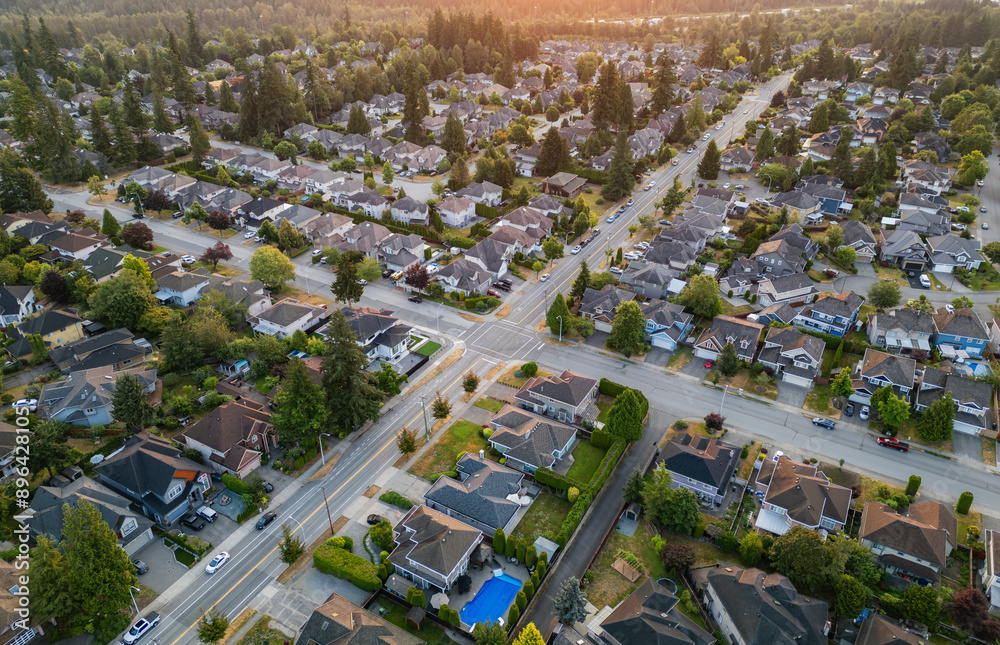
x=604, y=403
x=462, y=436
x=431, y=633
x=846, y=360
x=610, y=587
x=428, y=348
x=545, y=515
x=586, y=458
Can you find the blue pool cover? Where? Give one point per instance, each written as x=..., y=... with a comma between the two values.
x=492, y=601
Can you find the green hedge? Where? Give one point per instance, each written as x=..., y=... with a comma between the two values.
x=610, y=388
x=557, y=481
x=488, y=212
x=235, y=484
x=461, y=242
x=601, y=439
x=448, y=473
x=344, y=542
x=573, y=518
x=607, y=466
x=394, y=498
x=347, y=566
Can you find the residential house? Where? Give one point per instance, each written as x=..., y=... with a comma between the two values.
x=410, y=211
x=117, y=348
x=923, y=223
x=492, y=256
x=400, y=252
x=649, y=616
x=793, y=355
x=959, y=331
x=530, y=442
x=251, y=294
x=46, y=513
x=739, y=159
x=914, y=546
x=877, y=370
x=904, y=249
x=568, y=396
x=779, y=257
x=156, y=477
x=432, y=549
x=666, y=323
x=287, y=316
x=564, y=185
x=799, y=204
x=364, y=237
x=676, y=256
x=885, y=95
x=339, y=621
x=831, y=313
x=15, y=627
x=16, y=302
x=799, y=494
x=482, y=193
x=951, y=251
x=232, y=438
x=181, y=288
x=935, y=143
x=972, y=398
x=779, y=313
x=756, y=608
x=742, y=334
x=73, y=246
x=481, y=496
x=879, y=630
x=9, y=450
x=858, y=236
x=600, y=306
x=649, y=279
x=990, y=571
x=367, y=201
x=465, y=276
x=529, y=219
x=84, y=399
x=902, y=330
x=457, y=212
x=379, y=333
x=702, y=465
x=794, y=289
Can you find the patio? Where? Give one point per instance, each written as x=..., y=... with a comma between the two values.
x=480, y=577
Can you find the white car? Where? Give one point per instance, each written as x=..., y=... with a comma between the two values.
x=317, y=251
x=706, y=137
x=980, y=183
x=31, y=404
x=545, y=276
x=576, y=249
x=746, y=111
x=615, y=270
x=362, y=281
x=217, y=562
x=720, y=126
x=248, y=235
x=188, y=259
x=726, y=186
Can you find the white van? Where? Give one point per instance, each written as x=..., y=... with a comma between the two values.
x=925, y=281
x=208, y=513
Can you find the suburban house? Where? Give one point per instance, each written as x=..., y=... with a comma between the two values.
x=365, y=237
x=959, y=333
x=743, y=334
x=702, y=465
x=16, y=302
x=799, y=494
x=972, y=398
x=794, y=289
x=483, y=193
x=118, y=348
x=600, y=306
x=55, y=326
x=950, y=252
x=400, y=252
x=568, y=396
x=795, y=356
x=914, y=546
x=233, y=437
x=379, y=333
x=432, y=549
x=492, y=256
x=649, y=279
x=410, y=211
x=530, y=442
x=830, y=313
x=649, y=616
x=564, y=185
x=14, y=628
x=339, y=621
x=287, y=316
x=156, y=477
x=904, y=249
x=858, y=236
x=902, y=330
x=799, y=204
x=879, y=630
x=990, y=572
x=756, y=608
x=481, y=496
x=9, y=450
x=45, y=515
x=877, y=370
x=465, y=276
x=84, y=399
x=666, y=323
x=457, y=212
x=182, y=288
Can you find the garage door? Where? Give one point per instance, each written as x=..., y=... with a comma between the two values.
x=706, y=354
x=913, y=266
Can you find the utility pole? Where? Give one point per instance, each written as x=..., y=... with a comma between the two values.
x=327, y=505
x=560, y=328
x=423, y=413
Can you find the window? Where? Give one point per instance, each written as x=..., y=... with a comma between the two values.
x=128, y=526
x=175, y=491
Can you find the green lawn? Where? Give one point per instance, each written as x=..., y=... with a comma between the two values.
x=488, y=403
x=604, y=403
x=846, y=360
x=432, y=633
x=428, y=348
x=586, y=458
x=462, y=436
x=184, y=557
x=262, y=634
x=545, y=515
x=610, y=587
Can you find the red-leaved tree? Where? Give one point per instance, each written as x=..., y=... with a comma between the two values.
x=216, y=254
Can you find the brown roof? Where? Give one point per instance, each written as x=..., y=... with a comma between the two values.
x=227, y=428
x=339, y=621
x=912, y=536
x=879, y=630
x=804, y=492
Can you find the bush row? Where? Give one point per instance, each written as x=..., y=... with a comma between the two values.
x=394, y=498
x=235, y=484
x=573, y=518
x=345, y=542
x=556, y=480
x=607, y=466
x=461, y=242
x=347, y=566
x=601, y=439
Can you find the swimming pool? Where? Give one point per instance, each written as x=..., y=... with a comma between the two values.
x=492, y=600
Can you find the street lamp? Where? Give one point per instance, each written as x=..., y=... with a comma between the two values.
x=320, y=439
x=137, y=614
x=437, y=316
x=301, y=527
x=560, y=328
x=423, y=413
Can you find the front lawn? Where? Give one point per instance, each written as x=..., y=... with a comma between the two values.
x=428, y=348
x=462, y=436
x=490, y=404
x=586, y=458
x=543, y=518
x=262, y=634
x=680, y=358
x=759, y=384
x=818, y=400
x=515, y=378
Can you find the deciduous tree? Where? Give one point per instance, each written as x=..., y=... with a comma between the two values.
x=212, y=626
x=214, y=254
x=138, y=236
x=701, y=296
x=272, y=267
x=884, y=294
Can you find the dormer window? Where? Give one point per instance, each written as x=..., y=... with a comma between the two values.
x=175, y=491
x=128, y=526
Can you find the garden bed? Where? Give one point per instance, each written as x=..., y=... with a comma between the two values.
x=747, y=381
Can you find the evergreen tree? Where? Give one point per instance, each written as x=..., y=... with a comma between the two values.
x=110, y=225
x=788, y=142
x=632, y=493
x=161, y=119
x=300, y=410
x=554, y=153
x=663, y=81
x=711, y=53
x=674, y=197
x=227, y=102
x=582, y=281
x=195, y=44
x=679, y=132
x=606, y=97
x=570, y=603
x=453, y=137
x=346, y=288
x=711, y=163
x=820, y=121
x=620, y=175
x=628, y=331
x=625, y=418
x=765, y=145
x=249, y=125
x=357, y=122
x=558, y=316
x=132, y=112
x=200, y=144
x=459, y=177
x=123, y=152
x=938, y=420
x=130, y=404
x=840, y=163
x=351, y=395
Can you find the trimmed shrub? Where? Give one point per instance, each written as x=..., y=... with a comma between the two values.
x=344, y=542
x=607, y=466
x=555, y=480
x=572, y=494
x=681, y=424
x=235, y=484
x=394, y=498
x=521, y=600
x=381, y=535
x=462, y=242
x=601, y=439
x=610, y=388
x=531, y=557
x=699, y=531
x=416, y=597
x=499, y=541
x=528, y=589
x=964, y=503
x=347, y=566
x=913, y=485
x=521, y=550
x=529, y=369
x=514, y=614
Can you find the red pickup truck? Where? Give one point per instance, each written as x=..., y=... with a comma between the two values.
x=890, y=442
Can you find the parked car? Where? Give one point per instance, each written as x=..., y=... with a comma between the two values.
x=674, y=162
x=140, y=567
x=576, y=249
x=709, y=364
x=982, y=209
x=193, y=521
x=986, y=226
x=502, y=286
x=268, y=486
x=726, y=186
x=611, y=220
x=177, y=215
x=824, y=423
x=208, y=513
x=595, y=232
x=141, y=628
x=387, y=273
x=849, y=410
x=362, y=281
x=865, y=413
x=630, y=201
x=217, y=562
x=958, y=227
x=374, y=519
x=925, y=281
x=266, y=519
x=895, y=444
x=494, y=293
x=615, y=270
x=31, y=404
x=188, y=259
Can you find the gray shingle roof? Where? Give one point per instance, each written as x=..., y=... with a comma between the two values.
x=482, y=493
x=704, y=460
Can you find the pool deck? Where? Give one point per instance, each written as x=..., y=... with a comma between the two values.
x=479, y=578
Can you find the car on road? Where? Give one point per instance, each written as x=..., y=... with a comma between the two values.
x=895, y=444
x=674, y=162
x=595, y=232
x=374, y=519
x=266, y=519
x=630, y=201
x=217, y=562
x=720, y=126
x=192, y=521
x=865, y=413
x=317, y=251
x=706, y=137
x=980, y=183
x=709, y=364
x=416, y=299
x=746, y=111
x=986, y=226
x=824, y=423
x=576, y=249
x=545, y=276
x=647, y=186
x=982, y=209
x=615, y=270
x=31, y=404
x=849, y=410
x=188, y=259
x=958, y=227
x=611, y=219
x=141, y=628
x=140, y=567
x=690, y=150
x=726, y=186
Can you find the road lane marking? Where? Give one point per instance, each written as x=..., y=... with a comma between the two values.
x=319, y=508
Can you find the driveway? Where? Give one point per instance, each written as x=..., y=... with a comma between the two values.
x=695, y=367
x=658, y=356
x=967, y=445
x=164, y=569
x=792, y=395
x=914, y=280
x=597, y=339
